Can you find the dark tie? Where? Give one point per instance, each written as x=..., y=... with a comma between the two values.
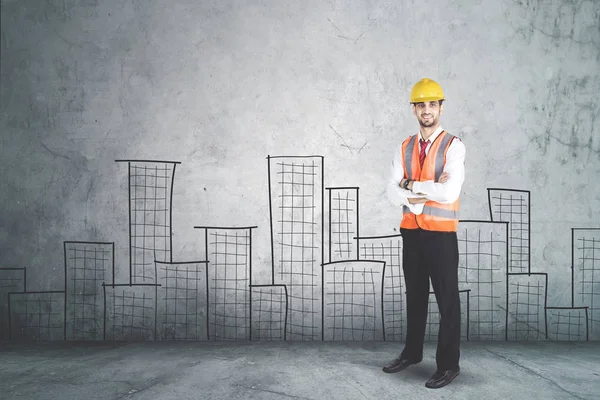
x=422, y=152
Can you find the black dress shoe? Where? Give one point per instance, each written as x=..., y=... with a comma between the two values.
x=398, y=365
x=442, y=378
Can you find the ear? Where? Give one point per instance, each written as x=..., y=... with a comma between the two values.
x=414, y=109
x=441, y=108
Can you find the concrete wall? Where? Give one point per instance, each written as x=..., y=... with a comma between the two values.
x=216, y=87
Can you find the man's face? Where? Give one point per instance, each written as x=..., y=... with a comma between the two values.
x=428, y=113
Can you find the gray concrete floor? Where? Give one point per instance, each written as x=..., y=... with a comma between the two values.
x=291, y=370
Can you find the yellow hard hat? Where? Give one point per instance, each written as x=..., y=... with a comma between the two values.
x=426, y=90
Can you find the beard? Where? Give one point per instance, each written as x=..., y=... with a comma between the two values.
x=424, y=124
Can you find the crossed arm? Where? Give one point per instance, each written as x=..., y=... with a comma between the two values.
x=422, y=200
x=445, y=191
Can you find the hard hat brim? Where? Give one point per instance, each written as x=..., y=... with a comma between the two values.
x=424, y=99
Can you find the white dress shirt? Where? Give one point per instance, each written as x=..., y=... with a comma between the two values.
x=444, y=193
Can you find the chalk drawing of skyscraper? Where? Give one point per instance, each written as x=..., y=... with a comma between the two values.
x=586, y=275
x=514, y=206
x=150, y=215
x=296, y=195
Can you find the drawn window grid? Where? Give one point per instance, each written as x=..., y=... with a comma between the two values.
x=343, y=223
x=268, y=305
x=131, y=314
x=528, y=300
x=480, y=257
x=588, y=258
x=11, y=280
x=567, y=324
x=298, y=249
x=229, y=284
x=87, y=265
x=513, y=207
x=181, y=292
x=389, y=251
x=40, y=315
x=150, y=216
x=353, y=294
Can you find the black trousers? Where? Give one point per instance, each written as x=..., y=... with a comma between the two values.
x=431, y=255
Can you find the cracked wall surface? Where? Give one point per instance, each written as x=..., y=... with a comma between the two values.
x=218, y=86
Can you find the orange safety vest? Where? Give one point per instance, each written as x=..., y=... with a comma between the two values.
x=435, y=216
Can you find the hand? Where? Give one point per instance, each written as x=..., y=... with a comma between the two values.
x=444, y=177
x=417, y=200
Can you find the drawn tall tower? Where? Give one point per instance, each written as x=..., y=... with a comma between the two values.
x=527, y=292
x=389, y=249
x=514, y=206
x=343, y=221
x=296, y=193
x=482, y=277
x=585, y=272
x=150, y=216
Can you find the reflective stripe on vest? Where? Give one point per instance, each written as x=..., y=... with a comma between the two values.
x=408, y=160
x=440, y=158
x=440, y=212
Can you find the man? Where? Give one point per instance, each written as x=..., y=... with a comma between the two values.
x=426, y=179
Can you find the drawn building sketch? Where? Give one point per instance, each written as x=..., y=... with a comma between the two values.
x=388, y=249
x=129, y=312
x=87, y=266
x=343, y=227
x=36, y=315
x=567, y=323
x=482, y=269
x=269, y=312
x=150, y=216
x=527, y=296
x=229, y=256
x=585, y=270
x=296, y=196
x=11, y=280
x=352, y=300
x=514, y=206
x=182, y=300
x=327, y=282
